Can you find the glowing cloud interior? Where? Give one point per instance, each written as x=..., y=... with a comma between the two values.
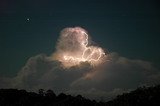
x=73, y=49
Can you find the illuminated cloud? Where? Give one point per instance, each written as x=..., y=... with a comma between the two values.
x=104, y=81
x=72, y=69
x=73, y=47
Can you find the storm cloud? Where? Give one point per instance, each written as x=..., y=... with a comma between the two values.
x=106, y=80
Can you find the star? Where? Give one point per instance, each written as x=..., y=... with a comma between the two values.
x=28, y=19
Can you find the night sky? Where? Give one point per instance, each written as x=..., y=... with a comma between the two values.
x=31, y=27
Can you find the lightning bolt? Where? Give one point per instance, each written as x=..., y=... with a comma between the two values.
x=89, y=57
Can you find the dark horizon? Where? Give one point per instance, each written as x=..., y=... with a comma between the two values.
x=142, y=96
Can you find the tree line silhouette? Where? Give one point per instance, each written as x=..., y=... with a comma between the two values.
x=142, y=96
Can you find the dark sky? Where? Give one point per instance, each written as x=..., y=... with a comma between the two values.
x=30, y=27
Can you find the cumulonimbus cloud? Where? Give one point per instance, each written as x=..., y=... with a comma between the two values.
x=74, y=47
x=106, y=79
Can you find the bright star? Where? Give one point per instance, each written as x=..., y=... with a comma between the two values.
x=28, y=19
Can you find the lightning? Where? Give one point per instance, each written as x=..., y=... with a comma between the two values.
x=79, y=49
